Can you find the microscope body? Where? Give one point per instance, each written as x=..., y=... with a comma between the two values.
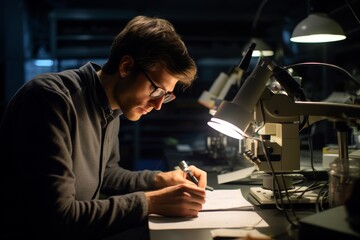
x=280, y=136
x=282, y=143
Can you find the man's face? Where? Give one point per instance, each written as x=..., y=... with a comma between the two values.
x=133, y=94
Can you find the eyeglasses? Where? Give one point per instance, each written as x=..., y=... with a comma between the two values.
x=159, y=92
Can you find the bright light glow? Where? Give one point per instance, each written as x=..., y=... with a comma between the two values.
x=262, y=49
x=262, y=53
x=212, y=112
x=44, y=62
x=226, y=128
x=318, y=38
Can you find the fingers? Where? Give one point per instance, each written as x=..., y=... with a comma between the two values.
x=182, y=200
x=166, y=179
x=191, y=199
x=200, y=175
x=193, y=191
x=175, y=177
x=190, y=205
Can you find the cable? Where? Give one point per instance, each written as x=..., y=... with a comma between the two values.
x=322, y=64
x=278, y=193
x=352, y=10
x=311, y=158
x=318, y=202
x=257, y=15
x=294, y=88
x=277, y=185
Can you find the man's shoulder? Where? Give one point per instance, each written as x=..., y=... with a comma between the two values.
x=65, y=81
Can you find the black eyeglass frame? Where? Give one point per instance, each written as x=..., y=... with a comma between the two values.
x=169, y=96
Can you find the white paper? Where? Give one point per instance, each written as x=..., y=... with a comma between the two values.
x=210, y=219
x=236, y=175
x=221, y=210
x=240, y=233
x=226, y=199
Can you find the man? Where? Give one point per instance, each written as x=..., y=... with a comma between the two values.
x=60, y=149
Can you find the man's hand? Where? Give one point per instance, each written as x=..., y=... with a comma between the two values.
x=166, y=179
x=182, y=200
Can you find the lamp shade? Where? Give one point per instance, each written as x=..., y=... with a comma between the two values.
x=233, y=118
x=317, y=28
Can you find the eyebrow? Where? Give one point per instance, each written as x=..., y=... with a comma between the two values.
x=153, y=82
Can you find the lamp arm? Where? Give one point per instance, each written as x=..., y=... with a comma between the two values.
x=279, y=108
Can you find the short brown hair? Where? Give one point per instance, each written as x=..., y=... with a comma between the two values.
x=152, y=41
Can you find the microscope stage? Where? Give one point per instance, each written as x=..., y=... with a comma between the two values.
x=266, y=197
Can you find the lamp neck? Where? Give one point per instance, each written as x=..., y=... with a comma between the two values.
x=342, y=130
x=257, y=16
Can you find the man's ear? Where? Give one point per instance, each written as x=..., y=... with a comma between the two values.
x=126, y=65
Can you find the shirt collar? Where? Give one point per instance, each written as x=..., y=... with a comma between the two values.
x=89, y=71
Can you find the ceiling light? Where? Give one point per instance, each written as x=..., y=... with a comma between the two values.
x=317, y=28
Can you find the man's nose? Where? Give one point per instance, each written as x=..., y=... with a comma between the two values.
x=157, y=103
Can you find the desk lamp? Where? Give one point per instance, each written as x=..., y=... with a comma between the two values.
x=222, y=84
x=235, y=125
x=256, y=104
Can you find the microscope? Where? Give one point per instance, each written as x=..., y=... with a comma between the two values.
x=270, y=123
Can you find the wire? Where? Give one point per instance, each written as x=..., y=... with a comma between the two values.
x=311, y=158
x=352, y=10
x=311, y=152
x=277, y=185
x=319, y=199
x=278, y=195
x=323, y=64
x=257, y=15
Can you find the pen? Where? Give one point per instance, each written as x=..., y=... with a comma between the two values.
x=185, y=168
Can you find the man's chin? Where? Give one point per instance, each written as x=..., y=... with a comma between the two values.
x=133, y=117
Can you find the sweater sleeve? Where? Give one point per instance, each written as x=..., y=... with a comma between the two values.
x=118, y=180
x=41, y=127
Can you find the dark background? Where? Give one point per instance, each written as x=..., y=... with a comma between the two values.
x=216, y=31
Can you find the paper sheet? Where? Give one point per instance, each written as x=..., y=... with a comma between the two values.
x=226, y=199
x=239, y=233
x=221, y=210
x=236, y=175
x=211, y=219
